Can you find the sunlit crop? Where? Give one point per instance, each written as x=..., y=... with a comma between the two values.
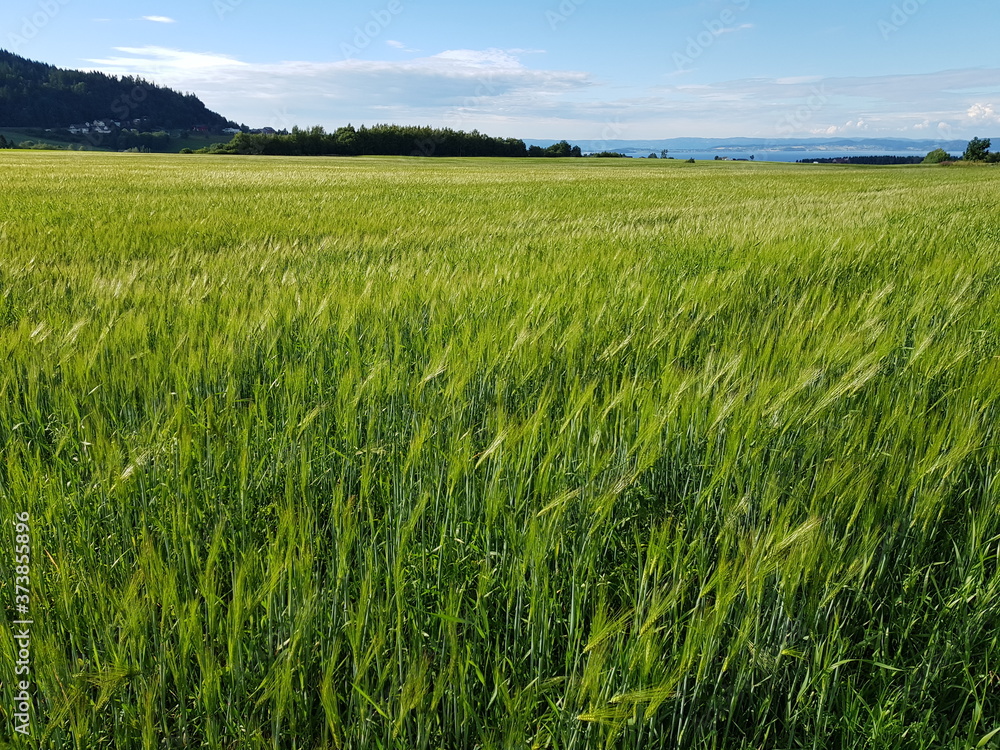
x=403, y=453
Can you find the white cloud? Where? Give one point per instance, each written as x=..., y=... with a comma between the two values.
x=797, y=79
x=459, y=73
x=983, y=113
x=733, y=29
x=159, y=19
x=163, y=63
x=403, y=48
x=851, y=127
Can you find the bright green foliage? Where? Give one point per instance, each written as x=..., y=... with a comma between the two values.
x=937, y=156
x=401, y=453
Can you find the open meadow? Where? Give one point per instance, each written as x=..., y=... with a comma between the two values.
x=413, y=454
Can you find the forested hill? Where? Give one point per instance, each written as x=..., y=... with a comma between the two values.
x=36, y=95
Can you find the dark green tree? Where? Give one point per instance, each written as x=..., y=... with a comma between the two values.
x=977, y=150
x=36, y=95
x=388, y=140
x=559, y=149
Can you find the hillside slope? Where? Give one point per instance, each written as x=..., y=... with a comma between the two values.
x=37, y=95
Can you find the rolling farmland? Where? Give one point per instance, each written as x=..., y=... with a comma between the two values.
x=404, y=453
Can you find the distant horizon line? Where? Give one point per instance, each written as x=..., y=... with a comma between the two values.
x=772, y=139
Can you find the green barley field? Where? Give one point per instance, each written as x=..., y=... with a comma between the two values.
x=491, y=454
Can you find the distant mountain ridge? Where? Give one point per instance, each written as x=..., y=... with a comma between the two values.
x=38, y=95
x=862, y=145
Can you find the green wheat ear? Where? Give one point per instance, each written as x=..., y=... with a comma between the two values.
x=384, y=453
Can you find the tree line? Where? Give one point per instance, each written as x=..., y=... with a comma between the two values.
x=123, y=139
x=877, y=160
x=385, y=140
x=978, y=150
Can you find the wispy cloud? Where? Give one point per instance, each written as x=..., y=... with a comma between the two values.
x=395, y=44
x=733, y=29
x=159, y=19
x=946, y=103
x=166, y=62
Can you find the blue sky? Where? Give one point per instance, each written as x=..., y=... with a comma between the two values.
x=583, y=69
